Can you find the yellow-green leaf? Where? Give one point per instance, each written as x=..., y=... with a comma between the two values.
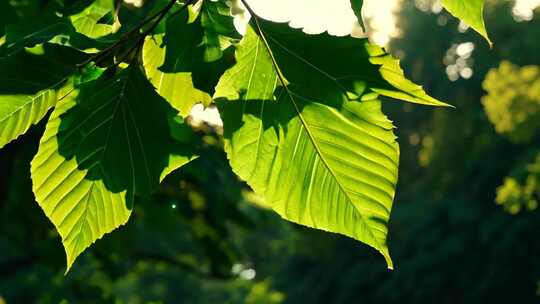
x=469, y=11
x=112, y=139
x=314, y=142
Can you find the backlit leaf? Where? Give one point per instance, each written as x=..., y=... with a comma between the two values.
x=469, y=11
x=185, y=63
x=88, y=22
x=28, y=84
x=319, y=150
x=112, y=139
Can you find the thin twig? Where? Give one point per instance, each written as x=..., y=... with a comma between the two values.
x=138, y=45
x=128, y=36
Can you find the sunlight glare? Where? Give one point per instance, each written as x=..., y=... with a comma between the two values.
x=523, y=9
x=318, y=16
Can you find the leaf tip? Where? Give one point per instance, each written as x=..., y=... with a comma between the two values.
x=386, y=255
x=445, y=105
x=69, y=261
x=483, y=32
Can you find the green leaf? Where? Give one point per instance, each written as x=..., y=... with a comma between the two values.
x=29, y=34
x=81, y=209
x=176, y=87
x=47, y=29
x=357, y=8
x=111, y=140
x=88, y=22
x=27, y=87
x=471, y=12
x=218, y=29
x=185, y=64
x=320, y=151
x=19, y=113
x=7, y=16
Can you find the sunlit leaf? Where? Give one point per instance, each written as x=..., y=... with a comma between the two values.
x=172, y=75
x=319, y=150
x=88, y=22
x=471, y=12
x=27, y=87
x=112, y=139
x=81, y=209
x=185, y=63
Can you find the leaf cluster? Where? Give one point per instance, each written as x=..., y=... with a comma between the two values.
x=302, y=116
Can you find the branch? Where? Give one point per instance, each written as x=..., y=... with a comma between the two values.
x=140, y=41
x=135, y=31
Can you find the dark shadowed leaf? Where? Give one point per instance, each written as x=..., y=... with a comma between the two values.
x=357, y=8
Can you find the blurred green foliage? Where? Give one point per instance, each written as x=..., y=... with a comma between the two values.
x=522, y=190
x=202, y=240
x=513, y=100
x=512, y=104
